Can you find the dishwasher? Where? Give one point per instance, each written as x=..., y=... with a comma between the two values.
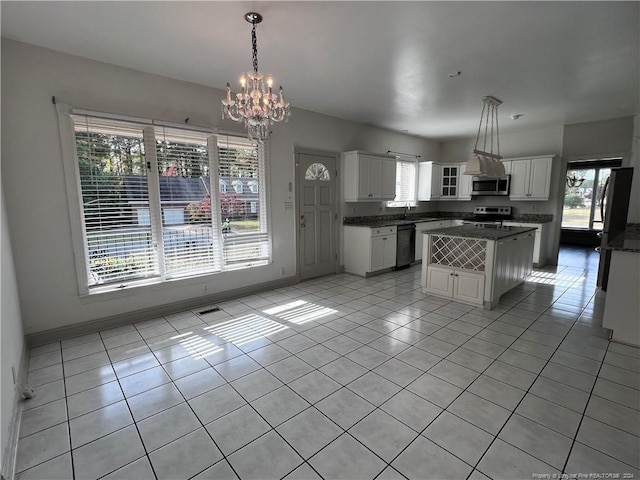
x=406, y=247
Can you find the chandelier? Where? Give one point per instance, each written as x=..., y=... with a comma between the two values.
x=256, y=104
x=574, y=181
x=486, y=163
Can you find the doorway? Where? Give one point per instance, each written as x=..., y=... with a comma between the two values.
x=317, y=213
x=583, y=208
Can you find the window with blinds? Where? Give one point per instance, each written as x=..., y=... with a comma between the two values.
x=243, y=207
x=149, y=209
x=113, y=181
x=188, y=240
x=406, y=180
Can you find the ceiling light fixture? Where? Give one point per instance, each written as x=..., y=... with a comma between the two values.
x=256, y=104
x=574, y=181
x=485, y=163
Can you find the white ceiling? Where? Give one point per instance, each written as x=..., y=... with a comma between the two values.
x=379, y=63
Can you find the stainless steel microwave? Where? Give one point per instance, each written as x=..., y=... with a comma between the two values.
x=491, y=185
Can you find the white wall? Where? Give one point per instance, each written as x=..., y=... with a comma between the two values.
x=35, y=186
x=634, y=161
x=12, y=336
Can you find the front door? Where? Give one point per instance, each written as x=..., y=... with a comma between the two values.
x=317, y=214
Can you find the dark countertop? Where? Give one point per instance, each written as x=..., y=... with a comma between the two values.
x=629, y=241
x=389, y=223
x=472, y=231
x=377, y=221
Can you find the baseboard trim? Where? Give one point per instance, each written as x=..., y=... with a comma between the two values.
x=93, y=326
x=11, y=451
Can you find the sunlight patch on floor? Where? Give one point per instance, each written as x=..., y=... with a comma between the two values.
x=300, y=311
x=245, y=329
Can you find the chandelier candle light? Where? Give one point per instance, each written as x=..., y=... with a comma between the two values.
x=485, y=163
x=256, y=104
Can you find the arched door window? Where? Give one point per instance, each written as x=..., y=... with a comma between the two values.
x=317, y=171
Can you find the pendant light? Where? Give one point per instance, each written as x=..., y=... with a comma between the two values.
x=486, y=163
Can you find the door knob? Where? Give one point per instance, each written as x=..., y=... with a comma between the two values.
x=302, y=221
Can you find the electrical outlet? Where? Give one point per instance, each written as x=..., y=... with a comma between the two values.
x=204, y=287
x=282, y=272
x=535, y=209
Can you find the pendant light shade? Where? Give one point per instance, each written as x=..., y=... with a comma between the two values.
x=473, y=166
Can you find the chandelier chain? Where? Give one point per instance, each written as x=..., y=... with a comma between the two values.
x=254, y=43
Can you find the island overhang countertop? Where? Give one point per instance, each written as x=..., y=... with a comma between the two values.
x=487, y=232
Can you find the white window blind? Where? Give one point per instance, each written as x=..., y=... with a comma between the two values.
x=190, y=243
x=405, y=182
x=113, y=183
x=149, y=209
x=246, y=238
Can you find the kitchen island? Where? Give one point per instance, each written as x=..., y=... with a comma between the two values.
x=476, y=265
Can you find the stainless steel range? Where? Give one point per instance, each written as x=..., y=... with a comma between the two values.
x=489, y=216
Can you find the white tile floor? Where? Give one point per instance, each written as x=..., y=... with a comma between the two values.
x=343, y=377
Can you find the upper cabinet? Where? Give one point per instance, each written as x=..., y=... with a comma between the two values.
x=464, y=183
x=369, y=177
x=444, y=181
x=449, y=186
x=530, y=177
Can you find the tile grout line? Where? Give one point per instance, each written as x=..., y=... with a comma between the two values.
x=584, y=413
x=144, y=447
x=302, y=332
x=523, y=397
x=186, y=402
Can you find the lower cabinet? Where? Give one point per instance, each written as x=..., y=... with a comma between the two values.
x=369, y=250
x=622, y=302
x=383, y=251
x=458, y=284
x=540, y=245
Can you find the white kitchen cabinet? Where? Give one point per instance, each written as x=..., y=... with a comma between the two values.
x=369, y=177
x=369, y=250
x=423, y=227
x=429, y=181
x=449, y=182
x=540, y=244
x=443, y=182
x=464, y=183
x=530, y=178
x=622, y=302
x=460, y=285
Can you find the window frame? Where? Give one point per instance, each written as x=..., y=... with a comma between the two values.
x=76, y=211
